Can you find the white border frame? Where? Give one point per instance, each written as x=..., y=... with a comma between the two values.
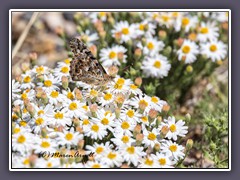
x=112, y=10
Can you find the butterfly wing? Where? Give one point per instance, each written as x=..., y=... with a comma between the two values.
x=84, y=66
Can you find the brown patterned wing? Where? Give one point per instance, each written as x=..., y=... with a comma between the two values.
x=84, y=66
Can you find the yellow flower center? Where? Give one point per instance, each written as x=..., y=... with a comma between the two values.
x=70, y=95
x=162, y=161
x=58, y=115
x=157, y=64
x=155, y=16
x=112, y=55
x=99, y=150
x=27, y=79
x=151, y=136
x=175, y=14
x=119, y=84
x=102, y=14
x=48, y=83
x=131, y=150
x=107, y=96
x=165, y=18
x=186, y=49
x=67, y=61
x=133, y=87
x=25, y=111
x=130, y=113
x=73, y=106
x=154, y=99
x=39, y=121
x=16, y=130
x=49, y=164
x=125, y=125
x=85, y=122
x=173, y=128
x=149, y=162
x=14, y=117
x=185, y=21
x=26, y=161
x=95, y=128
x=204, y=30
x=111, y=155
x=150, y=46
x=144, y=119
x=125, y=31
x=213, y=48
x=23, y=123
x=54, y=94
x=21, y=139
x=105, y=121
x=85, y=107
x=40, y=69
x=69, y=136
x=24, y=96
x=93, y=93
x=141, y=27
x=45, y=144
x=108, y=112
x=96, y=166
x=65, y=69
x=173, y=148
x=40, y=112
x=125, y=139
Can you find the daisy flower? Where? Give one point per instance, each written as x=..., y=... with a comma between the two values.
x=95, y=131
x=106, y=99
x=68, y=138
x=156, y=103
x=26, y=94
x=95, y=16
x=99, y=150
x=74, y=109
x=164, y=161
x=23, y=142
x=27, y=81
x=48, y=163
x=126, y=31
x=60, y=118
x=96, y=164
x=121, y=85
x=134, y=90
x=44, y=145
x=220, y=16
x=112, y=158
x=15, y=89
x=121, y=140
x=55, y=97
x=157, y=66
x=50, y=83
x=89, y=37
x=175, y=128
x=124, y=127
x=129, y=114
x=61, y=70
x=40, y=70
x=150, y=138
x=132, y=154
x=172, y=148
x=142, y=102
x=186, y=22
x=215, y=50
x=151, y=47
x=106, y=118
x=166, y=19
x=113, y=56
x=188, y=51
x=145, y=28
x=149, y=162
x=207, y=31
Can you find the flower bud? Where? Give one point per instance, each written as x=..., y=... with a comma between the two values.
x=32, y=160
x=117, y=112
x=59, y=31
x=157, y=147
x=167, y=51
x=76, y=122
x=162, y=34
x=17, y=110
x=166, y=107
x=33, y=58
x=153, y=113
x=93, y=108
x=44, y=132
x=164, y=130
x=102, y=34
x=192, y=36
x=189, y=68
x=137, y=53
x=78, y=94
x=219, y=62
x=112, y=71
x=188, y=117
x=80, y=144
x=139, y=139
x=30, y=109
x=137, y=129
x=64, y=82
x=44, y=98
x=189, y=144
x=138, y=81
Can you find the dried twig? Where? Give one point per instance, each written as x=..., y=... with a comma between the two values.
x=24, y=34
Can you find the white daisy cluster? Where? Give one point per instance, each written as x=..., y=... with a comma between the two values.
x=57, y=123
x=160, y=39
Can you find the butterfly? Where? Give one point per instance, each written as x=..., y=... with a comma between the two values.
x=85, y=67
